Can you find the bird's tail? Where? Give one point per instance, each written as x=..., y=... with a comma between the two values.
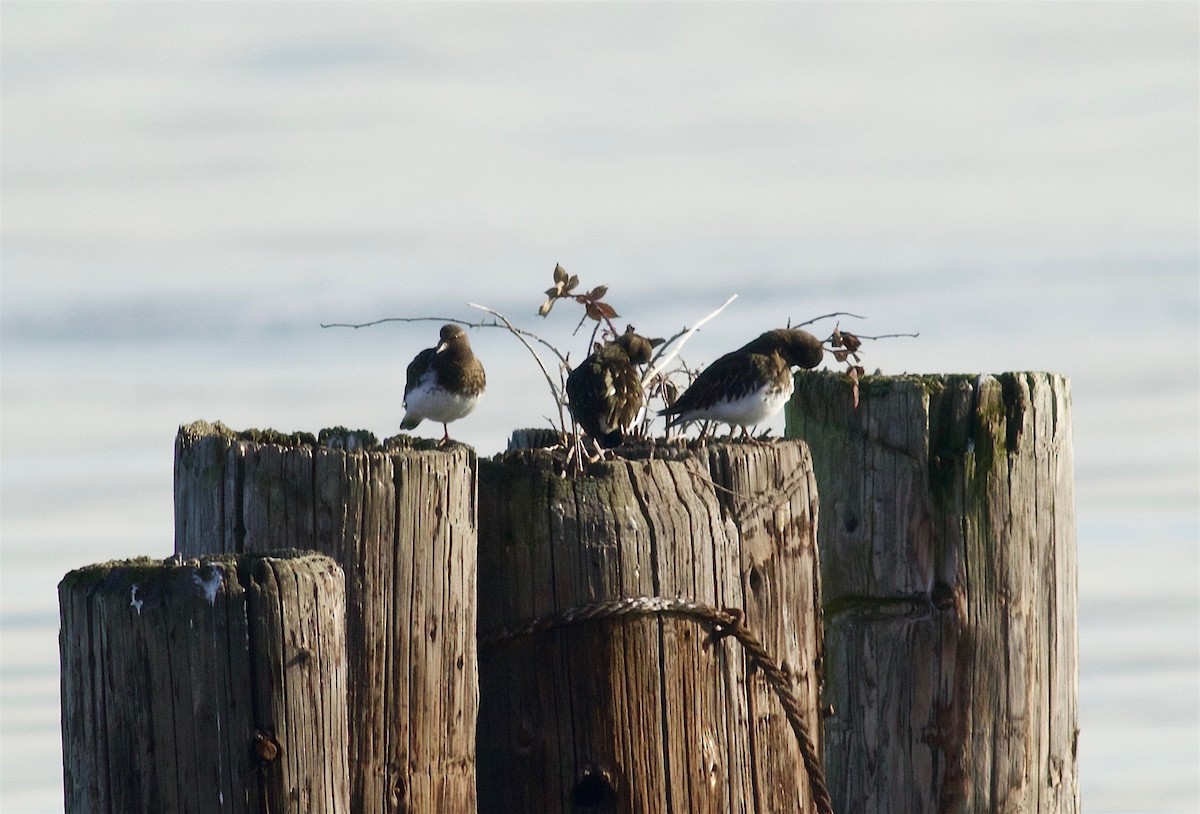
x=410, y=421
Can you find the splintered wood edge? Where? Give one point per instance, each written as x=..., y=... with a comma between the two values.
x=144, y=569
x=339, y=437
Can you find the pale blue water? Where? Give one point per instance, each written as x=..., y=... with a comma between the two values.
x=188, y=191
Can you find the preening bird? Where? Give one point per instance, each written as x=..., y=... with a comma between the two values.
x=749, y=385
x=604, y=392
x=444, y=382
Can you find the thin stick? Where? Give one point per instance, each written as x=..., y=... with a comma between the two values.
x=887, y=336
x=405, y=319
x=558, y=398
x=666, y=360
x=465, y=323
x=826, y=316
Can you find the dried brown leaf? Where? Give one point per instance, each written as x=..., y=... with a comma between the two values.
x=606, y=310
x=597, y=293
x=560, y=274
x=574, y=281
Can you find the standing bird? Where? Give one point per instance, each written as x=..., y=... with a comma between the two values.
x=749, y=385
x=604, y=393
x=444, y=382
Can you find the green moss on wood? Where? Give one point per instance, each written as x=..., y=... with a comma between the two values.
x=139, y=569
x=150, y=571
x=341, y=438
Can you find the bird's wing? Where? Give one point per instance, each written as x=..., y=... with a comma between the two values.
x=417, y=368
x=714, y=383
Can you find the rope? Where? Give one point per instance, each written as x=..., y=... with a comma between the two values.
x=729, y=622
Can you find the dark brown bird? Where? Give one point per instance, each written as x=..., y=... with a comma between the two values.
x=749, y=385
x=444, y=382
x=604, y=392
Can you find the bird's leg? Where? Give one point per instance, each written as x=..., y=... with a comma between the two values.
x=445, y=435
x=599, y=453
x=573, y=455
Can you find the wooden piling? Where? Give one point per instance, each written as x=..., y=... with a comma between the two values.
x=205, y=687
x=401, y=522
x=948, y=568
x=646, y=712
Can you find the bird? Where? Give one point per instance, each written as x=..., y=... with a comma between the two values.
x=604, y=393
x=749, y=385
x=443, y=382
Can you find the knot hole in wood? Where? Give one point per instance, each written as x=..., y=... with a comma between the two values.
x=595, y=790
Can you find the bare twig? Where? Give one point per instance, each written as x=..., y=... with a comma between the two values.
x=519, y=334
x=665, y=360
x=465, y=323
x=825, y=316
x=462, y=322
x=887, y=336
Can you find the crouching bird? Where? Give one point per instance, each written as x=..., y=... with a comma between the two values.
x=604, y=393
x=749, y=385
x=443, y=382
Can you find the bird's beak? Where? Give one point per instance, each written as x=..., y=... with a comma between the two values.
x=441, y=347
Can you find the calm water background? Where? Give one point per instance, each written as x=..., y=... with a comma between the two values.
x=189, y=190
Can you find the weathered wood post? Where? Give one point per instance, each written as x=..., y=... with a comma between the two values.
x=401, y=522
x=948, y=567
x=646, y=712
x=205, y=687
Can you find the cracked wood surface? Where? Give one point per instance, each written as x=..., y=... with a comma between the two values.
x=172, y=675
x=949, y=576
x=401, y=522
x=644, y=715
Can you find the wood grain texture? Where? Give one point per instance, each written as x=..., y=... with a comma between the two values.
x=171, y=675
x=401, y=522
x=949, y=576
x=646, y=715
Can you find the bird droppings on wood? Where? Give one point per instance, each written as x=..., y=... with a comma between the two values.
x=212, y=583
x=160, y=709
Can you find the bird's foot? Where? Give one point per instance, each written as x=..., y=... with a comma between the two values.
x=763, y=438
